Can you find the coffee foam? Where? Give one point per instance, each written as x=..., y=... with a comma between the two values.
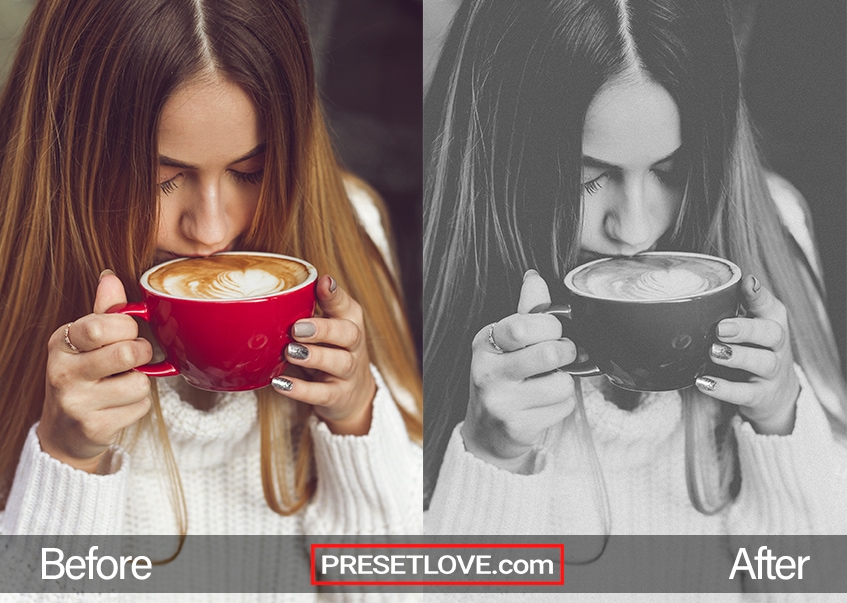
x=226, y=276
x=652, y=277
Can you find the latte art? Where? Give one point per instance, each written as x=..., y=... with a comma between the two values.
x=652, y=277
x=236, y=276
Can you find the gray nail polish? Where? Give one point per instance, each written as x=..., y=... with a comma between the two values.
x=721, y=351
x=305, y=329
x=297, y=351
x=282, y=384
x=728, y=329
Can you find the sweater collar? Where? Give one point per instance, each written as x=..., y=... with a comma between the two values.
x=201, y=438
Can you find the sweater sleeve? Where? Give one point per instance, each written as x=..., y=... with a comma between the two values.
x=792, y=484
x=475, y=497
x=50, y=497
x=370, y=484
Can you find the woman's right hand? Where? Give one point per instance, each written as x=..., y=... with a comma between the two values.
x=516, y=394
x=92, y=394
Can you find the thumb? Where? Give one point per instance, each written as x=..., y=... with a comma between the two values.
x=534, y=292
x=333, y=300
x=759, y=301
x=110, y=292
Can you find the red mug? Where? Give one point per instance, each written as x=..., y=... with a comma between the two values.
x=232, y=344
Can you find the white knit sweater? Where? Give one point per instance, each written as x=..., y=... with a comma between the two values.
x=794, y=484
x=366, y=485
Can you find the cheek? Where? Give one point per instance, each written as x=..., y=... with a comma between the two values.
x=592, y=221
x=245, y=207
x=669, y=200
x=166, y=227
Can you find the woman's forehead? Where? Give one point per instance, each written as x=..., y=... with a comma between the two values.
x=630, y=123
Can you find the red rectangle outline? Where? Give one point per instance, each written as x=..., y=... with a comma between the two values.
x=560, y=547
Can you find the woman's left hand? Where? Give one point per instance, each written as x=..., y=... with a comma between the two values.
x=333, y=351
x=760, y=345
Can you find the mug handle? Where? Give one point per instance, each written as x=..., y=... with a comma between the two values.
x=140, y=310
x=563, y=312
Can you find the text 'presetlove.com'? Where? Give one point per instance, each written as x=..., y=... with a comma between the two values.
x=432, y=564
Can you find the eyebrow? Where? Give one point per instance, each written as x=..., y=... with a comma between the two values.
x=591, y=162
x=167, y=161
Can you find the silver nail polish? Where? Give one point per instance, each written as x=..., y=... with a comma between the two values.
x=721, y=351
x=706, y=384
x=297, y=351
x=282, y=384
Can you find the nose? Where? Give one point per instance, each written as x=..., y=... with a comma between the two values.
x=204, y=220
x=628, y=222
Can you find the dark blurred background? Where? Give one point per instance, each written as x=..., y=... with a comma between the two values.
x=795, y=68
x=368, y=56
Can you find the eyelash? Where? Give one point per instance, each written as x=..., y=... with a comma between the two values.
x=592, y=186
x=169, y=186
x=665, y=177
x=252, y=177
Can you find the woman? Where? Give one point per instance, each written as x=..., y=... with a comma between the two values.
x=135, y=132
x=560, y=132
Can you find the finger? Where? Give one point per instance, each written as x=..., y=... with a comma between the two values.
x=124, y=389
x=114, y=359
x=760, y=302
x=332, y=331
x=519, y=331
x=337, y=362
x=760, y=362
x=104, y=423
x=314, y=393
x=538, y=418
x=740, y=394
x=756, y=331
x=534, y=292
x=543, y=391
x=97, y=330
x=110, y=292
x=522, y=364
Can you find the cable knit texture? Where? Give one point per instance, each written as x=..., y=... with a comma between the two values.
x=367, y=484
x=794, y=484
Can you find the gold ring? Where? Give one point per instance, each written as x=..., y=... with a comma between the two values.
x=68, y=338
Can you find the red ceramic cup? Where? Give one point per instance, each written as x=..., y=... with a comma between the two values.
x=223, y=344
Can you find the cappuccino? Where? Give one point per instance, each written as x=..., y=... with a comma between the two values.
x=228, y=276
x=652, y=277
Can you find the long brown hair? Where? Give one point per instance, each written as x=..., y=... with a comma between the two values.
x=503, y=122
x=78, y=159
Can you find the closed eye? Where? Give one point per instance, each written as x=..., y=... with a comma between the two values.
x=251, y=177
x=169, y=186
x=594, y=185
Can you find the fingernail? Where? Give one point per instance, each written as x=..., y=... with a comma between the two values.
x=332, y=285
x=304, y=329
x=756, y=285
x=728, y=329
x=282, y=384
x=297, y=351
x=706, y=384
x=721, y=351
x=529, y=273
x=106, y=272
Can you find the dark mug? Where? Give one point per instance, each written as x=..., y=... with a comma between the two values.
x=647, y=321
